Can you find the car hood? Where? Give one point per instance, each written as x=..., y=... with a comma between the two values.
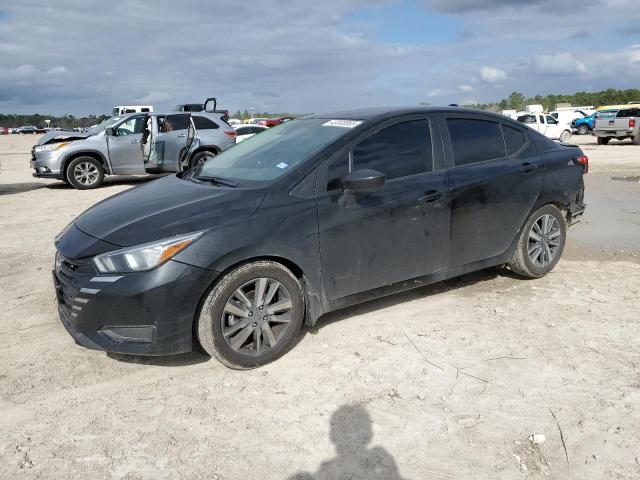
x=53, y=137
x=164, y=208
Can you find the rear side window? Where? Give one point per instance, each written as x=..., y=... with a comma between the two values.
x=630, y=112
x=527, y=119
x=513, y=138
x=397, y=151
x=241, y=130
x=204, y=123
x=475, y=140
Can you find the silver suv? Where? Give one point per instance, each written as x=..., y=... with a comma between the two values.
x=131, y=144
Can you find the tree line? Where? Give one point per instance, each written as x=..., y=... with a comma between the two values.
x=64, y=121
x=517, y=101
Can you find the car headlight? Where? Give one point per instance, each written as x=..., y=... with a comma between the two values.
x=143, y=257
x=50, y=147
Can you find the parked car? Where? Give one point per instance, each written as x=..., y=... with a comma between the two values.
x=4, y=131
x=246, y=131
x=315, y=215
x=255, y=120
x=272, y=122
x=625, y=124
x=27, y=129
x=547, y=126
x=234, y=121
x=124, y=109
x=204, y=107
x=129, y=145
x=583, y=125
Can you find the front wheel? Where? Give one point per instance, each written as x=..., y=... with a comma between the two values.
x=84, y=173
x=540, y=244
x=252, y=315
x=583, y=130
x=565, y=136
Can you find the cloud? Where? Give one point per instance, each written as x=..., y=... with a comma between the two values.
x=465, y=88
x=631, y=30
x=153, y=97
x=492, y=75
x=557, y=64
x=467, y=6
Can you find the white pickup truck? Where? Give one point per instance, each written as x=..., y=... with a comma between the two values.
x=547, y=125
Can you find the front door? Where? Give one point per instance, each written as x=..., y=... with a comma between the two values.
x=496, y=176
x=125, y=153
x=378, y=239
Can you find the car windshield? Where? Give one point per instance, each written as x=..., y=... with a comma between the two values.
x=276, y=151
x=102, y=125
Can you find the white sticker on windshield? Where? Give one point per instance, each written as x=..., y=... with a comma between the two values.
x=342, y=123
x=282, y=165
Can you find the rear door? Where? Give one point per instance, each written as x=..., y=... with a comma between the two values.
x=385, y=237
x=496, y=177
x=167, y=142
x=125, y=153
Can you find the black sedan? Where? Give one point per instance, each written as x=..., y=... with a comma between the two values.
x=310, y=216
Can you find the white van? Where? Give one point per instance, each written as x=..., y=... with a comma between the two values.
x=124, y=109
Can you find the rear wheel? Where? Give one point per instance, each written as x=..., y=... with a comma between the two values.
x=201, y=157
x=583, y=130
x=636, y=139
x=252, y=315
x=84, y=173
x=540, y=244
x=603, y=140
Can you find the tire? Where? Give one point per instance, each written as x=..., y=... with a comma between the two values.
x=84, y=173
x=201, y=157
x=524, y=261
x=603, y=140
x=565, y=136
x=583, y=130
x=244, y=343
x=636, y=139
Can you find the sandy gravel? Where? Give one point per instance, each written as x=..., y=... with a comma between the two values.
x=451, y=379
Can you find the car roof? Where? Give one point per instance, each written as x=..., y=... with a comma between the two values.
x=383, y=113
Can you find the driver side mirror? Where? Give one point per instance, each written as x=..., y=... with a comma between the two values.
x=109, y=131
x=365, y=181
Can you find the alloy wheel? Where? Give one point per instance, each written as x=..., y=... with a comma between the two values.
x=257, y=316
x=86, y=173
x=544, y=240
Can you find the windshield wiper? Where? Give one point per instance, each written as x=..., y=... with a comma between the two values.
x=227, y=182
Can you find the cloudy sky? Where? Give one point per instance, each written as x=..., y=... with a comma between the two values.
x=308, y=56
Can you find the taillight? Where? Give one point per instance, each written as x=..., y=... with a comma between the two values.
x=230, y=133
x=582, y=160
x=632, y=123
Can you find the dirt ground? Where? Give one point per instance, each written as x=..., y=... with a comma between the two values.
x=444, y=382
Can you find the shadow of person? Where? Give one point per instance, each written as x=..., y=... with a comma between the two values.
x=351, y=434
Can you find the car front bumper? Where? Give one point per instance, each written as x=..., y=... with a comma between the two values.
x=143, y=313
x=46, y=164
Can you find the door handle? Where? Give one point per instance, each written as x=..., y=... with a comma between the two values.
x=135, y=141
x=182, y=135
x=430, y=196
x=528, y=167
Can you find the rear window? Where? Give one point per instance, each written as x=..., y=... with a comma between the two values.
x=513, y=138
x=629, y=112
x=475, y=140
x=527, y=119
x=204, y=123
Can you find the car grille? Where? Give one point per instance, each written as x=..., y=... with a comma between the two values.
x=69, y=276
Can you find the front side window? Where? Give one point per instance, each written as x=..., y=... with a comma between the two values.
x=397, y=151
x=275, y=151
x=527, y=119
x=132, y=126
x=551, y=120
x=475, y=140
